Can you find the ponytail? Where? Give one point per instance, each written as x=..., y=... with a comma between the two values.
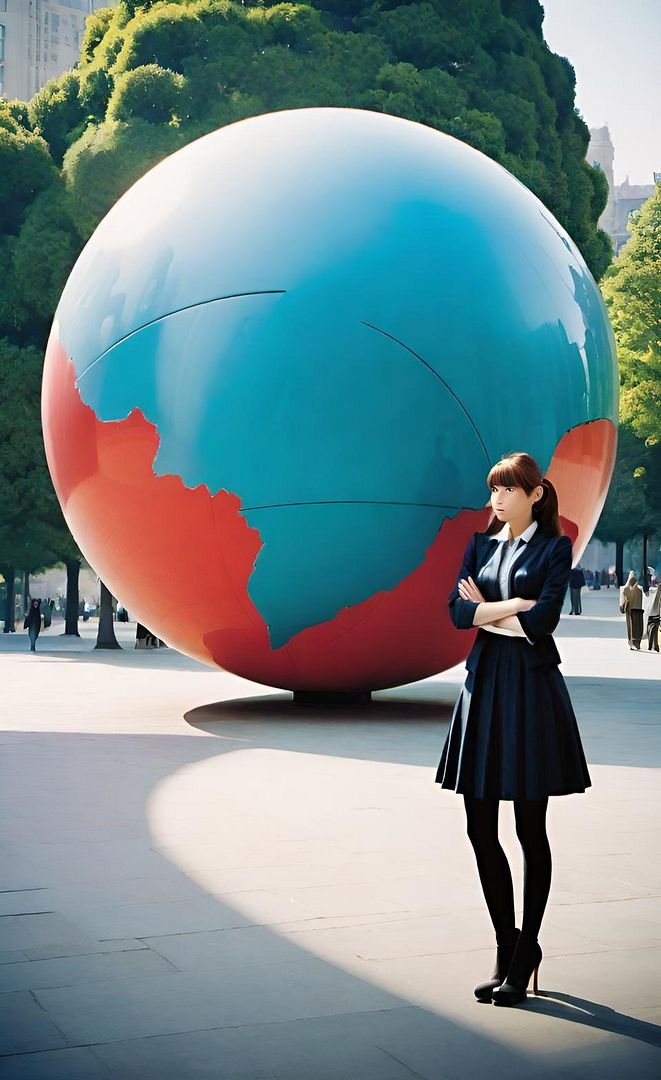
x=545, y=510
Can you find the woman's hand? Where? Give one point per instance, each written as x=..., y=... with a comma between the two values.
x=525, y=605
x=468, y=590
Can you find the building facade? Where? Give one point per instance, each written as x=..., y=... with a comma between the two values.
x=622, y=198
x=39, y=39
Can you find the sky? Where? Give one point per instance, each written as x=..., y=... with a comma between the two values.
x=614, y=47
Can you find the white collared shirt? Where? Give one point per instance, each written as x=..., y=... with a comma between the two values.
x=509, y=551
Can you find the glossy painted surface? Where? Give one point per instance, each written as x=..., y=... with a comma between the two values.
x=317, y=330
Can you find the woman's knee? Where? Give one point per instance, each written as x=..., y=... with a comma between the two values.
x=530, y=821
x=482, y=822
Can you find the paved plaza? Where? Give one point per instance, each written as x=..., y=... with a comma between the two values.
x=201, y=879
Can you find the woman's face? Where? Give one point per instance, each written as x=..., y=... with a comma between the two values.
x=512, y=503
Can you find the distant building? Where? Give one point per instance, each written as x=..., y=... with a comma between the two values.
x=39, y=39
x=622, y=198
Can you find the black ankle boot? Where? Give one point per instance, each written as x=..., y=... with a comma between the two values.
x=504, y=954
x=525, y=962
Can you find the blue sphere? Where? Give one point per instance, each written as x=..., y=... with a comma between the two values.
x=342, y=318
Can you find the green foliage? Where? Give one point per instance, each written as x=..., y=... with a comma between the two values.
x=599, y=192
x=31, y=533
x=147, y=93
x=26, y=169
x=14, y=115
x=633, y=505
x=107, y=160
x=417, y=34
x=478, y=69
x=38, y=243
x=44, y=253
x=526, y=12
x=96, y=28
x=96, y=85
x=14, y=314
x=632, y=291
x=56, y=113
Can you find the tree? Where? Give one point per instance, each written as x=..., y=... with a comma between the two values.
x=155, y=75
x=633, y=506
x=26, y=169
x=38, y=241
x=632, y=291
x=33, y=533
x=105, y=638
x=56, y=113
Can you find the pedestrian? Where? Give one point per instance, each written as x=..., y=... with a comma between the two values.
x=513, y=734
x=653, y=618
x=144, y=638
x=576, y=583
x=32, y=623
x=48, y=612
x=631, y=605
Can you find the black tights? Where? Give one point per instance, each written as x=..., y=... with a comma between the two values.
x=493, y=867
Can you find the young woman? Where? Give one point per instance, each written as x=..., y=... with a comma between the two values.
x=513, y=733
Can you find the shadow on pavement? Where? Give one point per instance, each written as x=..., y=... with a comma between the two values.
x=624, y=734
x=592, y=1014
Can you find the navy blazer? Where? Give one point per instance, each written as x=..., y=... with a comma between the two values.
x=540, y=571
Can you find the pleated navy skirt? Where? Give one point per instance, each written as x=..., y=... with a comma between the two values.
x=513, y=733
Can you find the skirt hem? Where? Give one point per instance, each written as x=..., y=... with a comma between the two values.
x=512, y=798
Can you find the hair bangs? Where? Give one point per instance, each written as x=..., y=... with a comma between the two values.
x=505, y=473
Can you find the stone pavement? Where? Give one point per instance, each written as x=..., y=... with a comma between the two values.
x=200, y=879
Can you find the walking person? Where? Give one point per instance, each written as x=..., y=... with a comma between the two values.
x=32, y=623
x=631, y=605
x=513, y=734
x=576, y=583
x=653, y=618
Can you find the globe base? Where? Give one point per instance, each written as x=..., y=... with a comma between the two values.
x=332, y=697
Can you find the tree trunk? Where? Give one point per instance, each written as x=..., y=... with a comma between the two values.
x=9, y=575
x=26, y=591
x=619, y=561
x=73, y=598
x=645, y=576
x=105, y=638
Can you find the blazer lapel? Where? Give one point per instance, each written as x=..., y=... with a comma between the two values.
x=521, y=554
x=488, y=572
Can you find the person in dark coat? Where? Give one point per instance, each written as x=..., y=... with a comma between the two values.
x=576, y=583
x=33, y=623
x=513, y=734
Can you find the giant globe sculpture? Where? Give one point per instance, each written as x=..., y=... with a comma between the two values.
x=280, y=371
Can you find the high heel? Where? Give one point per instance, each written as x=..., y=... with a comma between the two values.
x=504, y=954
x=525, y=962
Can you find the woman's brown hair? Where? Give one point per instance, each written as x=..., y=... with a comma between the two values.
x=521, y=470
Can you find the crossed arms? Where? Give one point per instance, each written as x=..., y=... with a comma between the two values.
x=497, y=616
x=532, y=619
